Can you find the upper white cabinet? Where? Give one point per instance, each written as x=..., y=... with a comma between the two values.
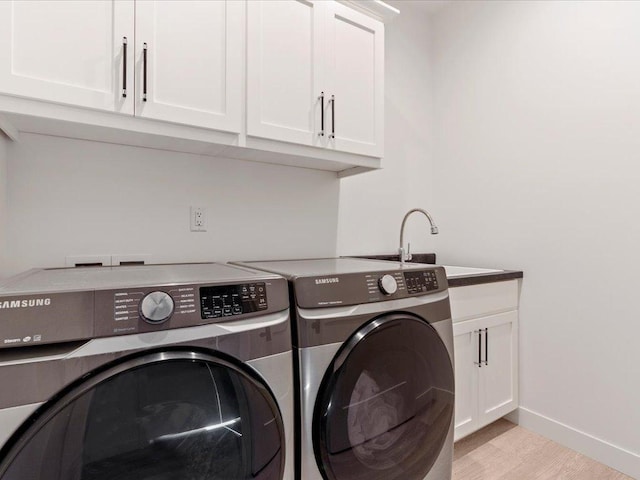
x=71, y=52
x=355, y=81
x=315, y=75
x=180, y=61
x=189, y=60
x=292, y=82
x=284, y=81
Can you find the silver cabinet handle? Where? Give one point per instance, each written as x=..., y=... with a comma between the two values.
x=144, y=72
x=321, y=98
x=124, y=67
x=333, y=117
x=479, y=362
x=486, y=346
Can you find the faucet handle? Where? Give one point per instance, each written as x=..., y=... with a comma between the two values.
x=409, y=257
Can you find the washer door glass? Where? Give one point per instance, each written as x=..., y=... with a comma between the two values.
x=165, y=416
x=385, y=406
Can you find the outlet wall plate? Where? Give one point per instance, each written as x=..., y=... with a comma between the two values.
x=198, y=219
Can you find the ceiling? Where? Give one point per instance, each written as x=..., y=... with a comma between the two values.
x=427, y=6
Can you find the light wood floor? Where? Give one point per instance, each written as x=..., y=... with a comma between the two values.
x=504, y=451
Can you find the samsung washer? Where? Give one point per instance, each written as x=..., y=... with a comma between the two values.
x=146, y=372
x=373, y=353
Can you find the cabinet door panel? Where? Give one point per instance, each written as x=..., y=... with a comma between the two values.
x=355, y=64
x=194, y=62
x=67, y=52
x=466, y=353
x=498, y=379
x=284, y=52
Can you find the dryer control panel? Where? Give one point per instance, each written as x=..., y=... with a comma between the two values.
x=229, y=300
x=44, y=306
x=421, y=282
x=156, y=308
x=366, y=287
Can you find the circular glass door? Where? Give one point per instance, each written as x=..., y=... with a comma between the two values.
x=385, y=406
x=174, y=415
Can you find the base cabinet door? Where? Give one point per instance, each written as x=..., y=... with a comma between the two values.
x=498, y=391
x=189, y=57
x=68, y=52
x=486, y=356
x=465, y=345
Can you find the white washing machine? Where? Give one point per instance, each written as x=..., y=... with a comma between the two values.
x=155, y=372
x=373, y=356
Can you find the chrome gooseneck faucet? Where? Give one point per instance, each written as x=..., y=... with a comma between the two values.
x=434, y=231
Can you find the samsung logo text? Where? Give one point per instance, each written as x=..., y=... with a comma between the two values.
x=34, y=302
x=323, y=281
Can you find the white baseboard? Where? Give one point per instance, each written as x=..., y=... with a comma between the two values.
x=616, y=457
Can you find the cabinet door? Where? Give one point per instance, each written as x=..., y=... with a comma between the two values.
x=284, y=70
x=499, y=375
x=355, y=66
x=194, y=59
x=465, y=345
x=68, y=52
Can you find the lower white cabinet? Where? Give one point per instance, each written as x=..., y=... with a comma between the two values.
x=486, y=361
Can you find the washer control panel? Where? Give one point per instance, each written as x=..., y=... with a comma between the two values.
x=421, y=282
x=229, y=300
x=366, y=287
x=149, y=309
x=386, y=283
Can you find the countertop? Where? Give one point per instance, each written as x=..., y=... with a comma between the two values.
x=462, y=276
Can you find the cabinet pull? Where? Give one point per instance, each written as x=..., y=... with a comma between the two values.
x=486, y=346
x=479, y=362
x=124, y=67
x=144, y=72
x=321, y=98
x=333, y=117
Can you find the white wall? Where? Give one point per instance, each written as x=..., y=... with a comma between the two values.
x=3, y=204
x=75, y=197
x=372, y=205
x=538, y=168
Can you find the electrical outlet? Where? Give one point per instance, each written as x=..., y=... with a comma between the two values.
x=198, y=219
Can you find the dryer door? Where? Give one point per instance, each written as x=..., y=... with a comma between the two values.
x=385, y=405
x=162, y=416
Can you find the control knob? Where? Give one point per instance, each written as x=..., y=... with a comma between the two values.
x=388, y=284
x=156, y=307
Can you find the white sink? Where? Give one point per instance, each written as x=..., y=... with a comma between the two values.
x=454, y=271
